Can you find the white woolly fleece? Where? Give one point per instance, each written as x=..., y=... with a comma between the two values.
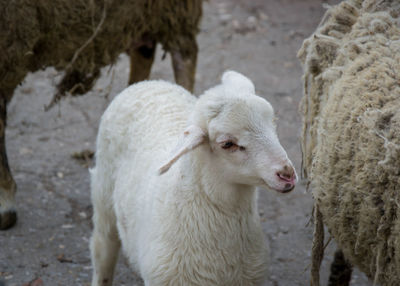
x=197, y=223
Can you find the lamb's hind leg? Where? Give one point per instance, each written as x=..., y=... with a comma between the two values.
x=184, y=64
x=104, y=247
x=8, y=214
x=105, y=243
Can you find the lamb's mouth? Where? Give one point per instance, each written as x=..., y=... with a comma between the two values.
x=288, y=188
x=284, y=191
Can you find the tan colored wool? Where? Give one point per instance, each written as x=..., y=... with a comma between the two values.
x=351, y=139
x=37, y=34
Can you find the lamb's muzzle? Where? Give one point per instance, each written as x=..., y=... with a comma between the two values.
x=288, y=176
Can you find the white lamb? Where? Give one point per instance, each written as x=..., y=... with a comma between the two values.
x=198, y=223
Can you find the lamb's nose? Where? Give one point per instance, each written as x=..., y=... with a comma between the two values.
x=287, y=174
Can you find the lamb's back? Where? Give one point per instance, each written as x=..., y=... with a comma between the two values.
x=145, y=119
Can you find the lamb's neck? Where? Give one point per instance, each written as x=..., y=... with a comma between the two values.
x=202, y=178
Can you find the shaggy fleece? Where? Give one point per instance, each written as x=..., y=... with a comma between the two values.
x=351, y=139
x=83, y=36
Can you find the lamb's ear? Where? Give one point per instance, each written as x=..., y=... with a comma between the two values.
x=237, y=81
x=193, y=136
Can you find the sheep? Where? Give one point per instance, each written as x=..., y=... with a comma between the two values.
x=80, y=37
x=351, y=137
x=186, y=217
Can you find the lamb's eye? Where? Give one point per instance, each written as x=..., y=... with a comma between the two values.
x=228, y=145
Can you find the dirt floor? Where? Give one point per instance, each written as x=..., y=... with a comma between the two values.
x=258, y=38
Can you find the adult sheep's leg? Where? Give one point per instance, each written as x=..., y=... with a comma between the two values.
x=142, y=57
x=8, y=214
x=340, y=270
x=184, y=65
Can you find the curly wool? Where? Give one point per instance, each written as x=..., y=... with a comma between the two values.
x=37, y=34
x=351, y=135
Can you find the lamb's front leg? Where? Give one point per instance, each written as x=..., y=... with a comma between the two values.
x=8, y=214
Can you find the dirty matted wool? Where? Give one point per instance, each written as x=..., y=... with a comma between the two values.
x=80, y=37
x=351, y=139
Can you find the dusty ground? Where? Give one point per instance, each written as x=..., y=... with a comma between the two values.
x=258, y=38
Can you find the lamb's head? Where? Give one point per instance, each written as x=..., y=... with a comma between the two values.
x=238, y=126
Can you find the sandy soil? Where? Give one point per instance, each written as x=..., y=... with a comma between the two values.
x=258, y=38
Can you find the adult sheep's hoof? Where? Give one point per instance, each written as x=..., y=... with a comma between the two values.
x=8, y=219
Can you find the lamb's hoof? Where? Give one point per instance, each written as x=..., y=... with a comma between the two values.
x=8, y=219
